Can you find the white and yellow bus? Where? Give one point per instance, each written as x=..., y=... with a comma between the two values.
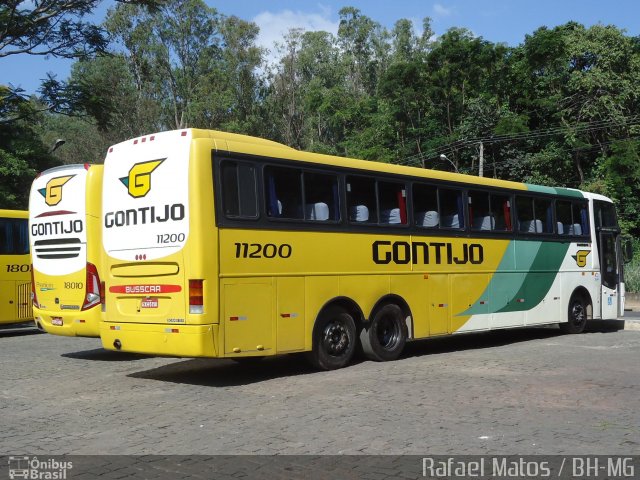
x=66, y=245
x=223, y=245
x=15, y=265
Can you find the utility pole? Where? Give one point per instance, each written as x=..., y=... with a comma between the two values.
x=481, y=167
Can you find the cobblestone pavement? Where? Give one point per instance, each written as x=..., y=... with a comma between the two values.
x=529, y=391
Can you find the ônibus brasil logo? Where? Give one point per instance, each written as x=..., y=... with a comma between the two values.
x=52, y=193
x=138, y=182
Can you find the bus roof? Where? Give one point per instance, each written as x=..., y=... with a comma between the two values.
x=14, y=213
x=245, y=144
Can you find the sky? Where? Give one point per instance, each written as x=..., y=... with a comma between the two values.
x=506, y=21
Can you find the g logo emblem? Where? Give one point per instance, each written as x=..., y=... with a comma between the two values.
x=52, y=193
x=139, y=180
x=581, y=257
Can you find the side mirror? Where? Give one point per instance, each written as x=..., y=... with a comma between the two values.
x=627, y=249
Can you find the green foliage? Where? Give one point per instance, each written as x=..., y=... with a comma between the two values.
x=22, y=153
x=560, y=109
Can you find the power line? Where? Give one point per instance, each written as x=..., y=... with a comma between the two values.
x=464, y=143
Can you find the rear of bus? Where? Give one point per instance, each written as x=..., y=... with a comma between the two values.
x=65, y=238
x=160, y=246
x=15, y=276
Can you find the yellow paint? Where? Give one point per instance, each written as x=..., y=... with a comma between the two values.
x=15, y=280
x=53, y=194
x=56, y=293
x=139, y=180
x=246, y=297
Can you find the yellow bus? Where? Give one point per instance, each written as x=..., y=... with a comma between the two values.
x=65, y=237
x=15, y=274
x=224, y=245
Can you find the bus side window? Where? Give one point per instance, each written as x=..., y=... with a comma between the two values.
x=583, y=218
x=393, y=204
x=14, y=236
x=361, y=200
x=425, y=206
x=526, y=219
x=544, y=215
x=283, y=188
x=564, y=220
x=501, y=211
x=480, y=215
x=451, y=208
x=321, y=197
x=239, y=198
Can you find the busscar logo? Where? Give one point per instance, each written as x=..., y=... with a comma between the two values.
x=581, y=257
x=52, y=193
x=138, y=182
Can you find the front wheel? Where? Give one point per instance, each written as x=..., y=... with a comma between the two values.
x=334, y=340
x=383, y=339
x=577, y=316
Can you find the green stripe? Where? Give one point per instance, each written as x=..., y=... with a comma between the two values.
x=523, y=277
x=538, y=281
x=565, y=192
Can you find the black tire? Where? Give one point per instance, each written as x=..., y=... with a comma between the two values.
x=334, y=340
x=576, y=315
x=384, y=337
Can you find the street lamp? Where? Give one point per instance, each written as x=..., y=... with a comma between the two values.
x=58, y=144
x=444, y=157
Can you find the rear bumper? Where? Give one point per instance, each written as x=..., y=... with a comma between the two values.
x=74, y=323
x=160, y=339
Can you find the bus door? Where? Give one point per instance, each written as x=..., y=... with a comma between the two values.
x=610, y=275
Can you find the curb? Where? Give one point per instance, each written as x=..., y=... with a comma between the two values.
x=632, y=325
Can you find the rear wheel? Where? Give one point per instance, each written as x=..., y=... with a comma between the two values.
x=577, y=315
x=383, y=339
x=334, y=340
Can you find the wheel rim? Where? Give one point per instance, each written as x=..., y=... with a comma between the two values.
x=335, y=338
x=388, y=332
x=578, y=314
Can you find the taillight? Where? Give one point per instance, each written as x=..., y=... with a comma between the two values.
x=93, y=291
x=196, y=303
x=34, y=297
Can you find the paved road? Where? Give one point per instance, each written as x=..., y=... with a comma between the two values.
x=529, y=391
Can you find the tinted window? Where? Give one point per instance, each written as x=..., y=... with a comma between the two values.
x=480, y=215
x=14, y=236
x=425, y=206
x=283, y=190
x=321, y=197
x=361, y=200
x=605, y=214
x=571, y=218
x=393, y=205
x=239, y=198
x=526, y=218
x=544, y=214
x=451, y=208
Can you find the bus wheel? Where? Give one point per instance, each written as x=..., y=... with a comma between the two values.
x=577, y=317
x=386, y=334
x=335, y=340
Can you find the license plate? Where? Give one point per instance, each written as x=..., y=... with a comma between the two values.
x=57, y=321
x=149, y=303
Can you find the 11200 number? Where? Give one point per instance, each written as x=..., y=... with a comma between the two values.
x=257, y=250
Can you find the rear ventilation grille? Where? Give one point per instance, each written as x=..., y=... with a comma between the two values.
x=24, y=302
x=58, y=249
